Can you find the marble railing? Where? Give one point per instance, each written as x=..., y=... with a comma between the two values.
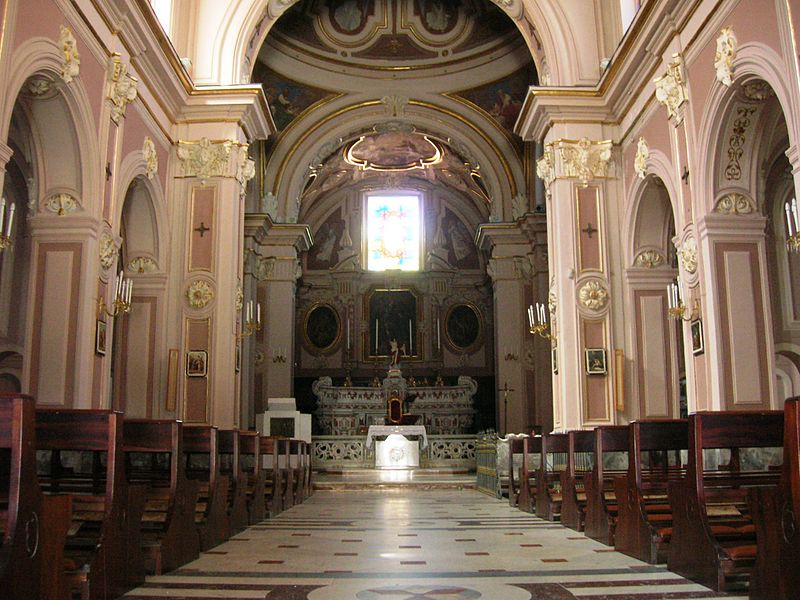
x=335, y=451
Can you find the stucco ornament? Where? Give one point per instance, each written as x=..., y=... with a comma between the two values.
x=199, y=293
x=204, y=159
x=108, y=250
x=245, y=168
x=649, y=259
x=238, y=299
x=735, y=203
x=687, y=255
x=394, y=105
x=546, y=168
x=671, y=88
x=593, y=295
x=519, y=206
x=258, y=359
x=150, y=158
x=71, y=65
x=758, y=90
x=264, y=268
x=552, y=302
x=584, y=159
x=269, y=205
x=726, y=53
x=142, y=264
x=121, y=88
x=61, y=204
x=642, y=154
x=38, y=86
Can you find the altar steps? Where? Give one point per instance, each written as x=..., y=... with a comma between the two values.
x=395, y=479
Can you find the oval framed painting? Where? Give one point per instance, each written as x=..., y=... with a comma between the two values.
x=322, y=329
x=463, y=328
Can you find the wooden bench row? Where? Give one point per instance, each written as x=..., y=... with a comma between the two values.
x=706, y=495
x=90, y=502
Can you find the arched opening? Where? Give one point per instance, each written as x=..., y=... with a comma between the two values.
x=657, y=339
x=136, y=341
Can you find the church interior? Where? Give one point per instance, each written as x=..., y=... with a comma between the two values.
x=335, y=299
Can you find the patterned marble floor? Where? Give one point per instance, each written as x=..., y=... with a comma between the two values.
x=429, y=544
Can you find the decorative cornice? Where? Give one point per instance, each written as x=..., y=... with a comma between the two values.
x=725, y=55
x=121, y=87
x=71, y=65
x=671, y=88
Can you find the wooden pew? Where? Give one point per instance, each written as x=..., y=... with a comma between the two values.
x=644, y=519
x=30, y=523
x=308, y=484
x=522, y=482
x=104, y=508
x=776, y=515
x=154, y=457
x=713, y=538
x=201, y=453
x=231, y=467
x=286, y=472
x=580, y=461
x=273, y=490
x=298, y=470
x=250, y=459
x=548, y=481
x=601, y=501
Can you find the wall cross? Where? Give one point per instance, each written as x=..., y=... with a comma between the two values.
x=202, y=229
x=589, y=230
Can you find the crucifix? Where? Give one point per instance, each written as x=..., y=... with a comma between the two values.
x=202, y=229
x=589, y=230
x=505, y=389
x=109, y=173
x=685, y=175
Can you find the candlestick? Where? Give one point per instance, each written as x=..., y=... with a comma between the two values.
x=376, y=337
x=438, y=336
x=410, y=340
x=348, y=333
x=14, y=208
x=258, y=313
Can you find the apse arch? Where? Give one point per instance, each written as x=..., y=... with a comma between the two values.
x=41, y=57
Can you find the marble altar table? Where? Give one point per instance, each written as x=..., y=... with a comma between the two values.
x=397, y=451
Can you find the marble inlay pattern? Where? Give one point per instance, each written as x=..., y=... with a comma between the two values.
x=415, y=544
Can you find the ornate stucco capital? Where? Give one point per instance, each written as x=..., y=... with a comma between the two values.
x=671, y=88
x=584, y=159
x=121, y=87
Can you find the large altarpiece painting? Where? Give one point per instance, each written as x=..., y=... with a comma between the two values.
x=393, y=315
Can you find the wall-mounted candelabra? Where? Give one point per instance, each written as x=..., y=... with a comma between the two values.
x=6, y=224
x=792, y=226
x=537, y=322
x=122, y=298
x=677, y=309
x=252, y=319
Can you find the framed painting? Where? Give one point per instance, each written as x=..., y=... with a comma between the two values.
x=393, y=318
x=196, y=363
x=463, y=328
x=596, y=361
x=698, y=341
x=322, y=329
x=100, y=336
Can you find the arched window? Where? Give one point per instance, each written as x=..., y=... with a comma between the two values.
x=394, y=231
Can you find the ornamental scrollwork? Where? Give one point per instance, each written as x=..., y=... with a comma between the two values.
x=245, y=168
x=61, y=204
x=593, y=295
x=204, y=159
x=735, y=203
x=122, y=87
x=108, y=250
x=199, y=293
x=71, y=65
x=725, y=55
x=640, y=161
x=142, y=264
x=649, y=259
x=150, y=157
x=238, y=299
x=546, y=168
x=687, y=255
x=584, y=159
x=671, y=88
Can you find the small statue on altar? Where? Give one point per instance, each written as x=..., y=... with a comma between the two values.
x=376, y=383
x=347, y=381
x=396, y=351
x=439, y=380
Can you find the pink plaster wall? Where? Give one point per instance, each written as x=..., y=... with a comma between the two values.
x=196, y=401
x=202, y=248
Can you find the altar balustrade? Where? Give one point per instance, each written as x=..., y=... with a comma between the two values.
x=443, y=451
x=443, y=410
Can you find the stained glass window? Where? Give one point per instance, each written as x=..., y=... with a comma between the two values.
x=393, y=232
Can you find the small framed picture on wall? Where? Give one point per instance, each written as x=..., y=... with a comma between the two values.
x=698, y=342
x=100, y=336
x=196, y=363
x=554, y=354
x=596, y=361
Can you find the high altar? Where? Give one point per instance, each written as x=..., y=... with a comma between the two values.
x=442, y=409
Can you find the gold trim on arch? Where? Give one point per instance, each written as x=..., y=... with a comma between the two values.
x=419, y=103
